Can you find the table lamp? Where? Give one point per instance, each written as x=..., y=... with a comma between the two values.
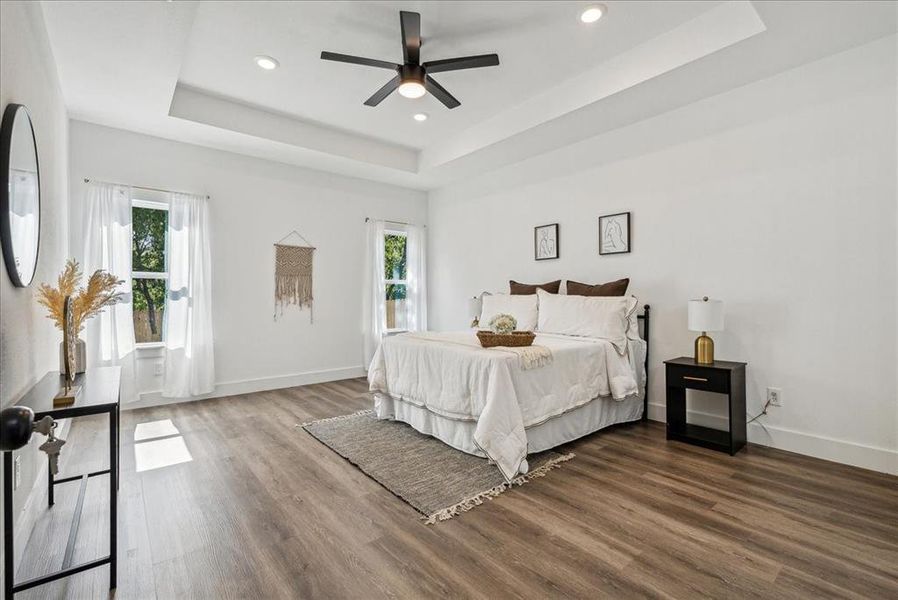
x=705, y=315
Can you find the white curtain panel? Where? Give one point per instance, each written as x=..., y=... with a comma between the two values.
x=107, y=245
x=416, y=274
x=374, y=319
x=189, y=360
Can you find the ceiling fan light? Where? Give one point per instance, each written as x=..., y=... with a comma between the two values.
x=412, y=89
x=593, y=13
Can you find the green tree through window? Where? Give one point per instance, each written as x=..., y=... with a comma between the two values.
x=395, y=265
x=148, y=264
x=395, y=273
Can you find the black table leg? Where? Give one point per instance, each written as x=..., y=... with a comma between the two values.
x=676, y=411
x=50, y=485
x=118, y=447
x=8, y=570
x=113, y=496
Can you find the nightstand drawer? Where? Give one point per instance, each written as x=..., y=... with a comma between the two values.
x=710, y=380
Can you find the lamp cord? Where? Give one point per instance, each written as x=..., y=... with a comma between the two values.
x=760, y=414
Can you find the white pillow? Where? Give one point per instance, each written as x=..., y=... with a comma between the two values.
x=522, y=308
x=604, y=317
x=633, y=327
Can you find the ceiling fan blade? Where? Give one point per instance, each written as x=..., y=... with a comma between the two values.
x=464, y=62
x=410, y=22
x=440, y=93
x=358, y=60
x=383, y=92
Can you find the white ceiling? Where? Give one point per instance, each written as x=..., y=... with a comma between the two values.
x=185, y=71
x=540, y=44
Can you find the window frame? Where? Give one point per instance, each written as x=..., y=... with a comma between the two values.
x=157, y=275
x=399, y=233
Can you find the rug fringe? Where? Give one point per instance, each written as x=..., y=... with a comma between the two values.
x=468, y=503
x=367, y=411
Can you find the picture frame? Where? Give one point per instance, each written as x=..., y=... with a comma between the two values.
x=546, y=242
x=614, y=233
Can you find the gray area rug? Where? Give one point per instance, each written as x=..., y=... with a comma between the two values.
x=437, y=480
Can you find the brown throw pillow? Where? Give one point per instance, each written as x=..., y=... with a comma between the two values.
x=526, y=289
x=612, y=288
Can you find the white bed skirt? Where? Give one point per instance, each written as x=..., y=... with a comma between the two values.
x=598, y=414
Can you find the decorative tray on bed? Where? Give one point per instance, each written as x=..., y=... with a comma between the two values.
x=488, y=339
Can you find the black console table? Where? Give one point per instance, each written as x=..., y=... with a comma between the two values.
x=99, y=395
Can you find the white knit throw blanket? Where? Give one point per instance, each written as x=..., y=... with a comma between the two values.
x=529, y=357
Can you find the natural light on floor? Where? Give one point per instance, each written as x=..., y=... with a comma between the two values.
x=154, y=429
x=159, y=444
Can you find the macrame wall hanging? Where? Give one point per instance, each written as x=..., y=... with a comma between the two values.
x=293, y=275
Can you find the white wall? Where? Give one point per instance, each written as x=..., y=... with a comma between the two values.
x=28, y=341
x=779, y=198
x=254, y=203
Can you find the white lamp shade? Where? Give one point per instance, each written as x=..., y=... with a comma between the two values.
x=473, y=307
x=705, y=315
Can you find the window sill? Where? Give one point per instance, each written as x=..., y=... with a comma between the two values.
x=151, y=350
x=395, y=331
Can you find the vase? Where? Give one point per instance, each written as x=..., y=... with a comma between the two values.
x=80, y=357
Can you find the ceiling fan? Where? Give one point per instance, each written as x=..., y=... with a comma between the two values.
x=413, y=78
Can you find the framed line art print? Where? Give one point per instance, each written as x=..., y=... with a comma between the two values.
x=545, y=242
x=614, y=233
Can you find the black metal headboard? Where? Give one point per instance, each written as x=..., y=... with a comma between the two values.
x=645, y=335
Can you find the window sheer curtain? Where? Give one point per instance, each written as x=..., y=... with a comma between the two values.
x=107, y=245
x=374, y=318
x=189, y=359
x=374, y=315
x=416, y=275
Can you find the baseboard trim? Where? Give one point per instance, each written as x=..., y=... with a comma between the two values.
x=875, y=458
x=249, y=386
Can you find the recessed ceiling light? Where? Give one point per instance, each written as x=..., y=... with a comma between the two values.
x=420, y=117
x=593, y=13
x=266, y=62
x=412, y=89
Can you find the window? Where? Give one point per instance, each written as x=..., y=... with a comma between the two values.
x=149, y=269
x=395, y=279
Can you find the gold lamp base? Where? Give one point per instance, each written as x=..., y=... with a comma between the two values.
x=704, y=349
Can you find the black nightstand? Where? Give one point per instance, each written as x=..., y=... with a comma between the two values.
x=723, y=377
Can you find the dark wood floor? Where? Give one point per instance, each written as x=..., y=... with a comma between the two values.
x=263, y=510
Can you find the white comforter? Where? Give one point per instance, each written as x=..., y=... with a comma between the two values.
x=451, y=375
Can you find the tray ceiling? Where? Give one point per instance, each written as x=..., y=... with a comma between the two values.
x=185, y=71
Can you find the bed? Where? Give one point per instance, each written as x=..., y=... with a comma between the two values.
x=495, y=404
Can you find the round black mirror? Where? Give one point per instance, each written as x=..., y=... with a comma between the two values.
x=20, y=195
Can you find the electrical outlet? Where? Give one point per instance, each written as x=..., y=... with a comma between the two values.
x=157, y=368
x=17, y=472
x=775, y=396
